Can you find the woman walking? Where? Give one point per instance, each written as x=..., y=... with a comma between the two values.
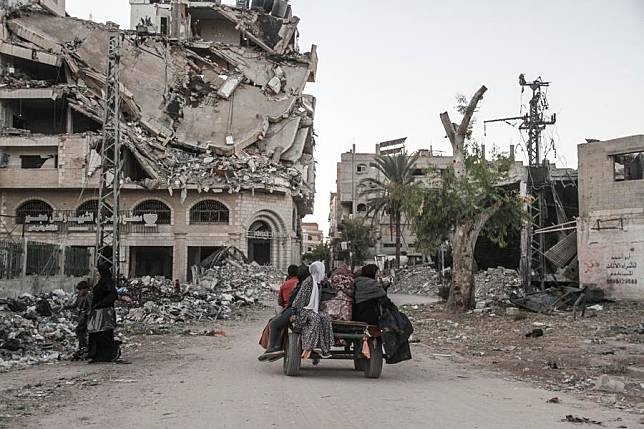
x=102, y=319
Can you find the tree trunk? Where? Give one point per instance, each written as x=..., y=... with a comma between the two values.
x=461, y=294
x=398, y=235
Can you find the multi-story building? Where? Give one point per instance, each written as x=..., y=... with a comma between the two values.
x=312, y=236
x=349, y=201
x=610, y=228
x=216, y=128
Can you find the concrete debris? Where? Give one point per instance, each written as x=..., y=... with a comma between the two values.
x=38, y=329
x=195, y=112
x=35, y=330
x=609, y=384
x=492, y=286
x=215, y=295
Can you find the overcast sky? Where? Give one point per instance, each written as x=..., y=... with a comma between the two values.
x=388, y=68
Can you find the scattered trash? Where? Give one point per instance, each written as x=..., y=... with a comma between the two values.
x=535, y=333
x=574, y=419
x=554, y=400
x=216, y=334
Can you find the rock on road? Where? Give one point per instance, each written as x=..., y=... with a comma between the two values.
x=205, y=382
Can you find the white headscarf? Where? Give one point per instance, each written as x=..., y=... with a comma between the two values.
x=317, y=271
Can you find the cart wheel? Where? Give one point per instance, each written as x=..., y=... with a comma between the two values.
x=373, y=366
x=359, y=364
x=293, y=354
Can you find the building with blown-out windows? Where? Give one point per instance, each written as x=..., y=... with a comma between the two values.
x=217, y=132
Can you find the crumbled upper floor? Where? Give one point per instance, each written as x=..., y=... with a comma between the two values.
x=194, y=110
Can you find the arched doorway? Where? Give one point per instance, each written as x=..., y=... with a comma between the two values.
x=260, y=238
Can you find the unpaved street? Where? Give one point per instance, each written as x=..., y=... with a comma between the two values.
x=182, y=381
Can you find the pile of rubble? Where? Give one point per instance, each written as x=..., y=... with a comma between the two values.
x=214, y=295
x=35, y=330
x=200, y=114
x=496, y=285
x=493, y=285
x=38, y=329
x=417, y=280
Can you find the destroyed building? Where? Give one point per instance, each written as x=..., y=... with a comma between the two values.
x=560, y=200
x=611, y=222
x=217, y=131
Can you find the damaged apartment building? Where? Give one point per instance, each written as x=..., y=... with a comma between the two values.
x=560, y=198
x=610, y=227
x=217, y=130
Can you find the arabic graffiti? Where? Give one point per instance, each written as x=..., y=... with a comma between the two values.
x=622, y=269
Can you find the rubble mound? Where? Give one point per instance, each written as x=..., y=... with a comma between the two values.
x=38, y=329
x=494, y=284
x=35, y=330
x=417, y=280
x=497, y=284
x=215, y=294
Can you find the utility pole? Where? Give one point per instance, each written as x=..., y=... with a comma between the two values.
x=533, y=264
x=107, y=222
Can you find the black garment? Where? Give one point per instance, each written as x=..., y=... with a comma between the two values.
x=395, y=330
x=102, y=347
x=367, y=312
x=276, y=329
x=104, y=294
x=367, y=289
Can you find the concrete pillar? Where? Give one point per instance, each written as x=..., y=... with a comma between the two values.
x=70, y=121
x=24, y=257
x=180, y=257
x=61, y=260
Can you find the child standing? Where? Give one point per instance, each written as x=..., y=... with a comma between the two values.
x=83, y=306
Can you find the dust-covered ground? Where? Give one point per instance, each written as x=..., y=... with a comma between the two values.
x=180, y=378
x=570, y=356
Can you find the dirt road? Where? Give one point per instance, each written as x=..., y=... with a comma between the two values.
x=183, y=381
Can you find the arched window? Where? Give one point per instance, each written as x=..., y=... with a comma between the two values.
x=361, y=208
x=90, y=206
x=156, y=207
x=33, y=208
x=209, y=212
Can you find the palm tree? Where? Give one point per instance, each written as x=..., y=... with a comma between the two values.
x=385, y=194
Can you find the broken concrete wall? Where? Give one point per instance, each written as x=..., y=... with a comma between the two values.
x=210, y=98
x=611, y=225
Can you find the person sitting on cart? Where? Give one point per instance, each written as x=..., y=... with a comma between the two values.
x=278, y=324
x=368, y=292
x=287, y=287
x=315, y=326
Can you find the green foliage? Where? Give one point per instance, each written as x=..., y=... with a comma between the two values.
x=436, y=210
x=360, y=237
x=320, y=253
x=387, y=195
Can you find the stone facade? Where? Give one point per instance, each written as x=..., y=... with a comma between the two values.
x=611, y=223
x=274, y=210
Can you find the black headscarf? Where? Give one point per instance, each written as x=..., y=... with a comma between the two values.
x=292, y=271
x=370, y=271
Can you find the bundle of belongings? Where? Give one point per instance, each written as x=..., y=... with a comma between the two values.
x=337, y=295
